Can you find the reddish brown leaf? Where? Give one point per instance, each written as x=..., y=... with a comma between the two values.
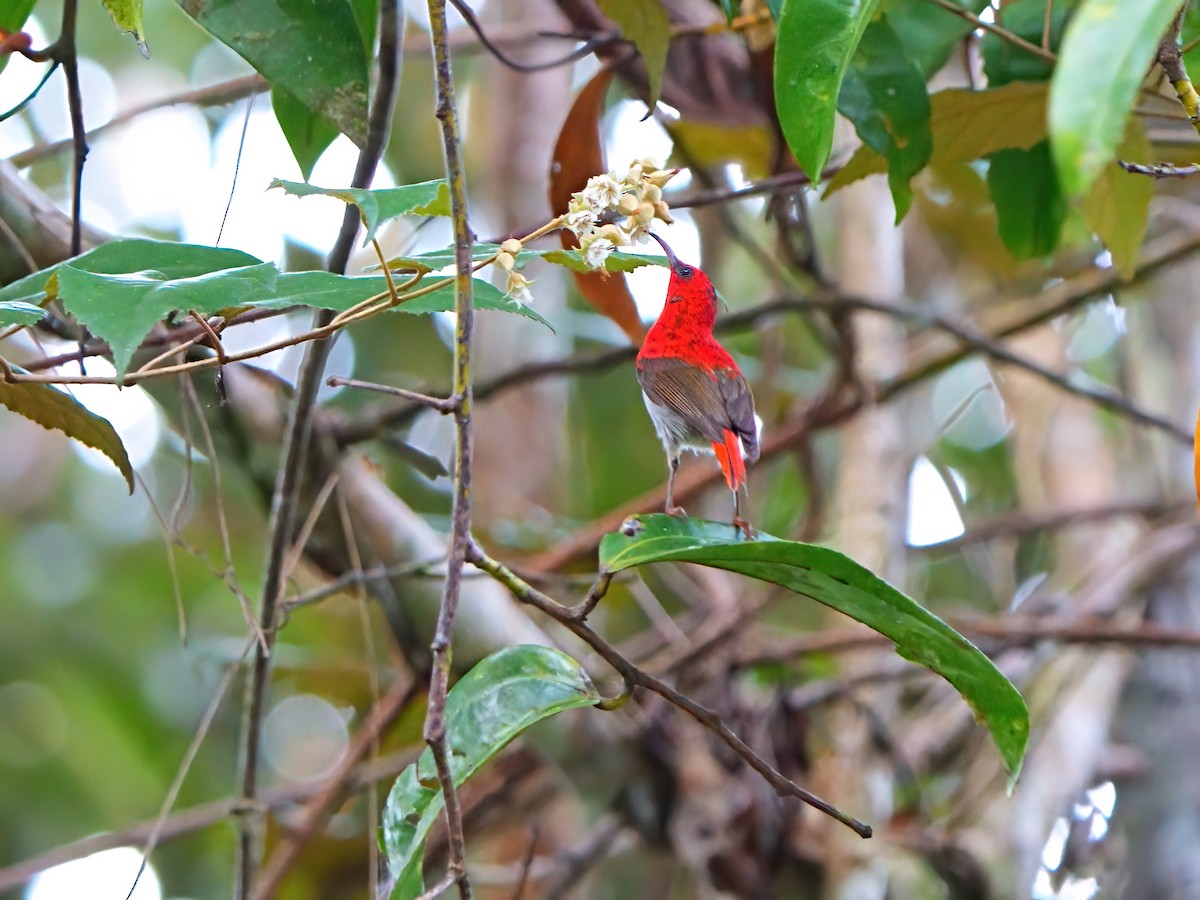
x=578, y=155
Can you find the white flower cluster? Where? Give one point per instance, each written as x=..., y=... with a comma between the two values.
x=518, y=285
x=636, y=197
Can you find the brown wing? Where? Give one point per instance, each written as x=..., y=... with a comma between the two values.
x=707, y=405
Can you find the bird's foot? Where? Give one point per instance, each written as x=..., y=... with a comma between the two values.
x=740, y=524
x=677, y=511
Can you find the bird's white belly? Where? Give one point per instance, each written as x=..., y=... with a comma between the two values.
x=673, y=429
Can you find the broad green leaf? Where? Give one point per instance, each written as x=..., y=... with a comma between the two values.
x=616, y=262
x=928, y=32
x=841, y=584
x=171, y=259
x=815, y=42
x=54, y=409
x=428, y=198
x=501, y=697
x=309, y=134
x=18, y=312
x=707, y=145
x=966, y=125
x=1030, y=206
x=123, y=308
x=436, y=260
x=1106, y=51
x=645, y=24
x=313, y=49
x=1118, y=206
x=13, y=14
x=884, y=95
x=366, y=14
x=730, y=8
x=324, y=290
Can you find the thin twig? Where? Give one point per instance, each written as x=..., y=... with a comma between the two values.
x=636, y=677
x=1003, y=33
x=441, y=404
x=460, y=533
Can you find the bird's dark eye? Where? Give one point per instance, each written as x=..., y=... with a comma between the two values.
x=685, y=271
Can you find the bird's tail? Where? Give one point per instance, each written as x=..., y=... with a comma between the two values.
x=729, y=455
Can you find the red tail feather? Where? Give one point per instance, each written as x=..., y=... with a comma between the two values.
x=729, y=455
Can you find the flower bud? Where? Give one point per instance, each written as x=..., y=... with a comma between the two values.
x=645, y=213
x=613, y=233
x=512, y=245
x=662, y=211
x=505, y=260
x=661, y=177
x=651, y=193
x=628, y=205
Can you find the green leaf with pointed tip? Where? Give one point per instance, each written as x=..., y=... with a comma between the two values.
x=646, y=25
x=1107, y=48
x=930, y=35
x=309, y=134
x=501, y=697
x=57, y=410
x=1118, y=206
x=18, y=312
x=123, y=308
x=128, y=16
x=884, y=95
x=429, y=198
x=840, y=583
x=313, y=49
x=816, y=39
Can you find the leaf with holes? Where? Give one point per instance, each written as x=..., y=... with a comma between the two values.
x=841, y=584
x=59, y=411
x=428, y=198
x=500, y=698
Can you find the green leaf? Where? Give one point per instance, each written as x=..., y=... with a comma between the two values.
x=1030, y=206
x=18, y=312
x=309, y=134
x=616, y=262
x=1118, y=206
x=501, y=697
x=730, y=8
x=59, y=411
x=1004, y=62
x=123, y=308
x=128, y=16
x=1108, y=46
x=928, y=33
x=13, y=14
x=324, y=290
x=435, y=260
x=966, y=125
x=816, y=39
x=884, y=95
x=313, y=49
x=645, y=23
x=428, y=198
x=366, y=14
x=841, y=584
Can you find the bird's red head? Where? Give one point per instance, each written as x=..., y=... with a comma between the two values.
x=691, y=302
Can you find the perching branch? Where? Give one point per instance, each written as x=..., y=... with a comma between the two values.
x=460, y=532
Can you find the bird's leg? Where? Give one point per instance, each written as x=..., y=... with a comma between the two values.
x=740, y=524
x=673, y=467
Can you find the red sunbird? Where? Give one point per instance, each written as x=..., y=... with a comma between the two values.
x=695, y=392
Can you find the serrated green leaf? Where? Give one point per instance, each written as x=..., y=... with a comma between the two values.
x=884, y=95
x=617, y=261
x=646, y=25
x=841, y=584
x=816, y=39
x=1118, y=206
x=309, y=134
x=59, y=411
x=966, y=125
x=428, y=198
x=501, y=697
x=313, y=49
x=18, y=312
x=123, y=308
x=1030, y=206
x=1106, y=51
